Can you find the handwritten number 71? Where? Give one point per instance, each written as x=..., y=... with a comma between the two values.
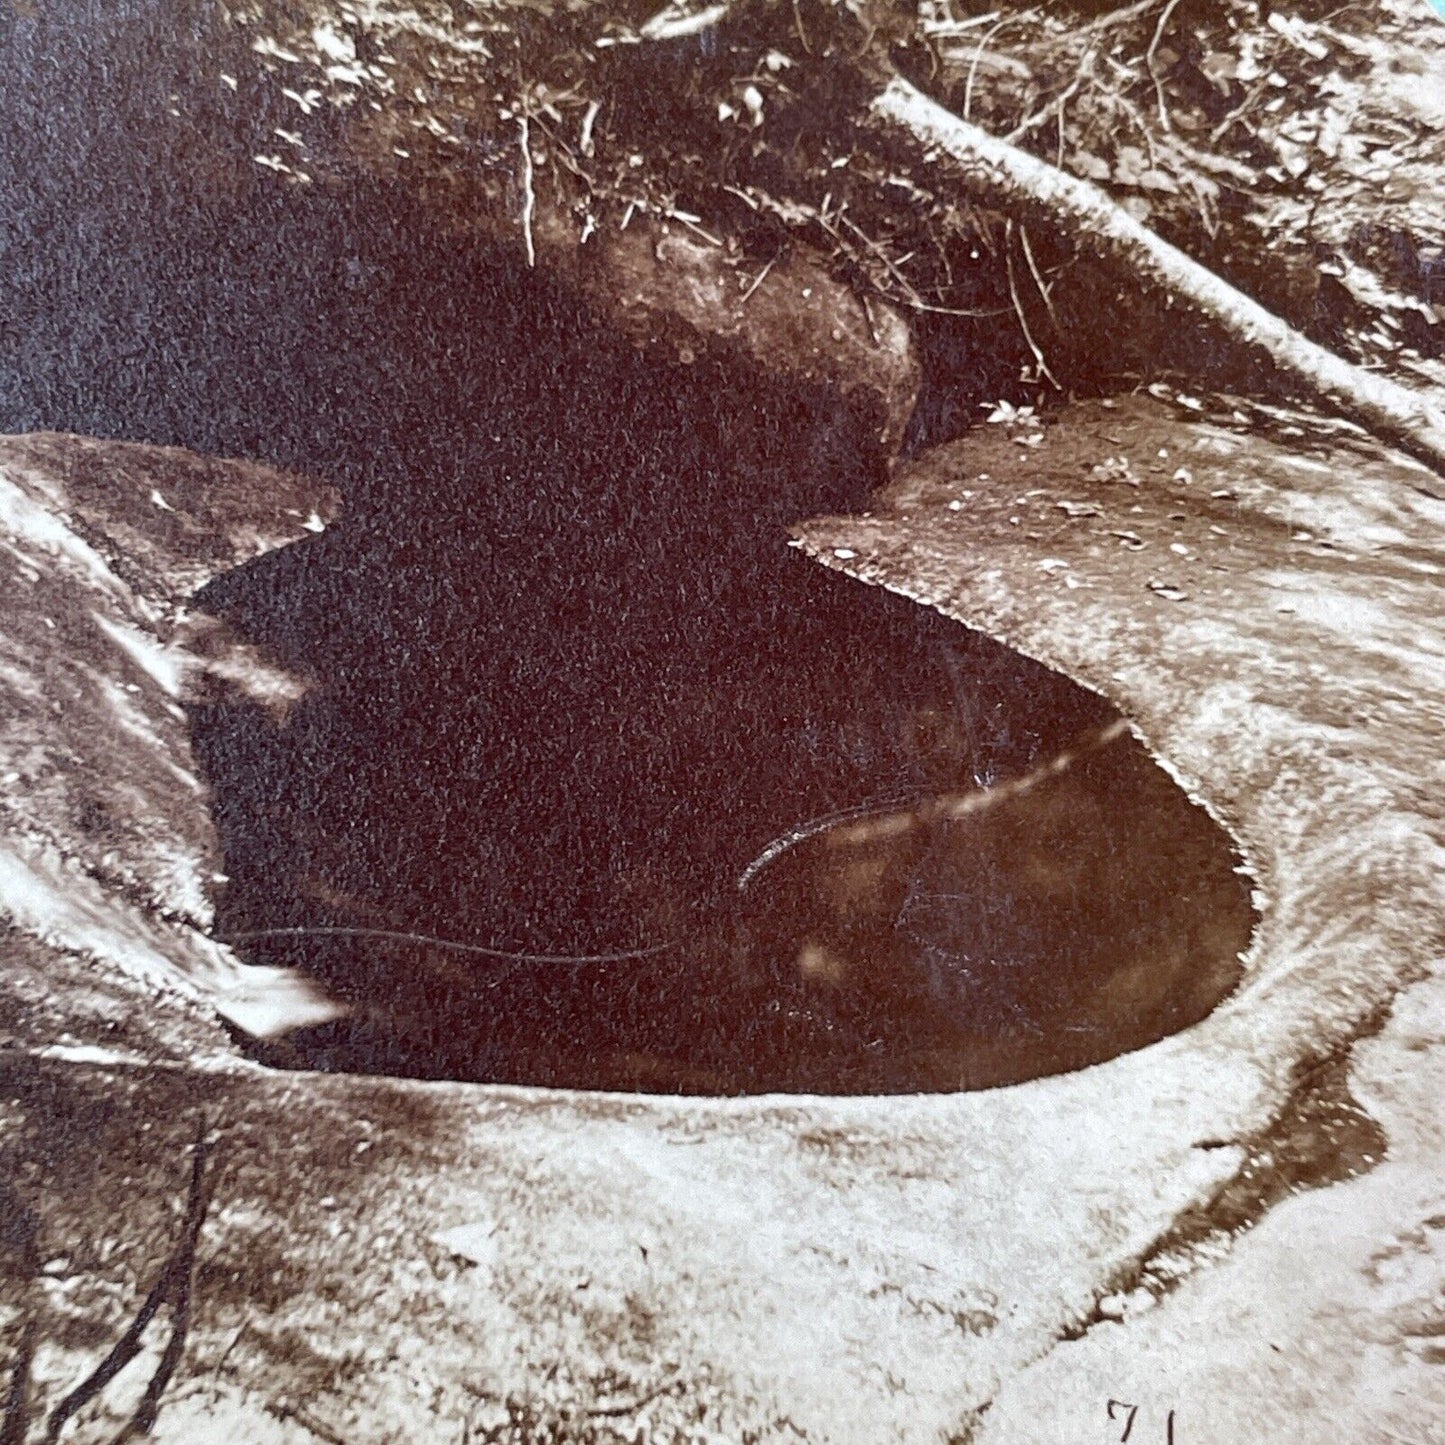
x=1120, y=1410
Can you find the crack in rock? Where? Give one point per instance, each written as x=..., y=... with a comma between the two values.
x=1320, y=1136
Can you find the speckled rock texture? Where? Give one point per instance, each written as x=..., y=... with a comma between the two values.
x=388, y=1259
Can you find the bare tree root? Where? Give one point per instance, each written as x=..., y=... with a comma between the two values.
x=1029, y=188
x=173, y=1287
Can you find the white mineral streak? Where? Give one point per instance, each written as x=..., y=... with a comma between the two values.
x=165, y=668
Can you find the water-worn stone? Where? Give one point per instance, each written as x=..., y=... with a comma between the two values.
x=862, y=1268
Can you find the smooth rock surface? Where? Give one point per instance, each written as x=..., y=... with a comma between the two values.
x=849, y=1269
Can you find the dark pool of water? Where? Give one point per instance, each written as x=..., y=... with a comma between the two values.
x=656, y=779
x=570, y=685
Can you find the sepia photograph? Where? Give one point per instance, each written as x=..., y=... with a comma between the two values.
x=722, y=723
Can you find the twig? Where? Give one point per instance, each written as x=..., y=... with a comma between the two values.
x=1117, y=17
x=589, y=119
x=319, y=1428
x=798, y=26
x=124, y=1351
x=16, y=1425
x=453, y=944
x=910, y=290
x=794, y=214
x=1038, y=279
x=226, y=1353
x=887, y=817
x=529, y=199
x=1140, y=124
x=144, y=1419
x=1057, y=104
x=973, y=313
x=1013, y=291
x=942, y=256
x=866, y=302
x=951, y=29
x=563, y=152
x=810, y=829
x=692, y=225
x=978, y=56
x=757, y=281
x=1250, y=97
x=174, y=1285
x=1225, y=169
x=631, y=1405
x=1149, y=56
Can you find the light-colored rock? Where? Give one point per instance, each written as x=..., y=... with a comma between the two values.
x=873, y=1269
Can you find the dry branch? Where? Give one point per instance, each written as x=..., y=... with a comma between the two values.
x=529, y=195
x=1030, y=188
x=172, y=1287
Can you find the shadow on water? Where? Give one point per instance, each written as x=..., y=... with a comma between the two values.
x=573, y=695
x=570, y=688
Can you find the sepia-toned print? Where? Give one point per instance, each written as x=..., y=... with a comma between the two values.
x=722, y=723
